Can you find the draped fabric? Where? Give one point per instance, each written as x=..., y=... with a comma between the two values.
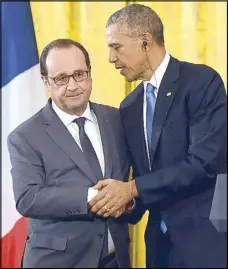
x=194, y=32
x=23, y=94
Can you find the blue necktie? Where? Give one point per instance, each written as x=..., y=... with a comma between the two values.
x=150, y=106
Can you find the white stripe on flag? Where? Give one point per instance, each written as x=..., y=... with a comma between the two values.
x=22, y=97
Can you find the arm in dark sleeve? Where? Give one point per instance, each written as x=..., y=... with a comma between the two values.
x=136, y=214
x=33, y=197
x=121, y=171
x=207, y=123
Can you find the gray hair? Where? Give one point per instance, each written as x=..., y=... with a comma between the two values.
x=135, y=20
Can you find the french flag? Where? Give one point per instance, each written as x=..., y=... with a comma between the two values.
x=23, y=94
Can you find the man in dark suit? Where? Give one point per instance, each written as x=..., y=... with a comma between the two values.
x=57, y=156
x=175, y=126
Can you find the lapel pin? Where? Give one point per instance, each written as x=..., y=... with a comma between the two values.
x=169, y=94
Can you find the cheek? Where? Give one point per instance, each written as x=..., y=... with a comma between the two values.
x=62, y=92
x=87, y=87
x=132, y=59
x=58, y=94
x=138, y=62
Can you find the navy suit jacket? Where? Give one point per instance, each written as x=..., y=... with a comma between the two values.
x=188, y=137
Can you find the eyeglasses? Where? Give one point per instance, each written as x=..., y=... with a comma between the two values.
x=64, y=79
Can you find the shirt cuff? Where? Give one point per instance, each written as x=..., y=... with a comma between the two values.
x=91, y=194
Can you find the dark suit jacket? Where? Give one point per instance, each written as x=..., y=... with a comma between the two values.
x=51, y=178
x=188, y=137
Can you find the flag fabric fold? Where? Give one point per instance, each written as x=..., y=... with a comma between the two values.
x=23, y=94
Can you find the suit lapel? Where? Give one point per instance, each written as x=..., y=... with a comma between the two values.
x=62, y=137
x=166, y=94
x=104, y=127
x=136, y=130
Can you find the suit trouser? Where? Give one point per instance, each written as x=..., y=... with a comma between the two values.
x=159, y=251
x=107, y=260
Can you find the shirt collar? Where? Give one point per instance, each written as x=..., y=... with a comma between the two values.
x=68, y=118
x=159, y=73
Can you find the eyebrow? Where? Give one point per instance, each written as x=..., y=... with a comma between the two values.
x=114, y=44
x=75, y=71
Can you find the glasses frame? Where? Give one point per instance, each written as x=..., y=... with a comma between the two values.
x=72, y=75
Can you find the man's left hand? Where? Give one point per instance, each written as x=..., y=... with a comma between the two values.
x=113, y=195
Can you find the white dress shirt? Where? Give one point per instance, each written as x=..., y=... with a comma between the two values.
x=93, y=132
x=155, y=81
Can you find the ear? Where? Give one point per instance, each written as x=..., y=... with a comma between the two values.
x=147, y=39
x=89, y=69
x=45, y=80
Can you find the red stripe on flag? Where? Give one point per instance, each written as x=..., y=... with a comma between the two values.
x=13, y=245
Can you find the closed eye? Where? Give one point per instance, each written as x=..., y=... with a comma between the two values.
x=117, y=47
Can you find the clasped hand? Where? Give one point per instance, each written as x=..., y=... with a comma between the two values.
x=113, y=198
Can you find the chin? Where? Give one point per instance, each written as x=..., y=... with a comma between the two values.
x=130, y=79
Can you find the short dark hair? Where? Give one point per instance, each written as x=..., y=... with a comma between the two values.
x=60, y=43
x=135, y=20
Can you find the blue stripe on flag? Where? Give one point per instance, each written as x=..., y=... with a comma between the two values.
x=19, y=50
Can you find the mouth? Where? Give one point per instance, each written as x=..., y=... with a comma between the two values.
x=75, y=95
x=121, y=68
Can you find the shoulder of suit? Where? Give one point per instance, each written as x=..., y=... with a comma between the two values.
x=107, y=108
x=195, y=68
x=198, y=69
x=132, y=97
x=29, y=123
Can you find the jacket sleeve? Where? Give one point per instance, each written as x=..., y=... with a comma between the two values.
x=33, y=196
x=121, y=171
x=207, y=136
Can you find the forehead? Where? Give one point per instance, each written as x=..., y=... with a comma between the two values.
x=65, y=60
x=115, y=36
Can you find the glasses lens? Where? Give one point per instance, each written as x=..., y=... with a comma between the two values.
x=79, y=76
x=61, y=81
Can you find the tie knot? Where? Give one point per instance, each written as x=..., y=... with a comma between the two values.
x=80, y=122
x=149, y=88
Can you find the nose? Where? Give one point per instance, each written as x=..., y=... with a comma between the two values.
x=112, y=56
x=72, y=84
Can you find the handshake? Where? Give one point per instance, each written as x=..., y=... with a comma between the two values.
x=114, y=198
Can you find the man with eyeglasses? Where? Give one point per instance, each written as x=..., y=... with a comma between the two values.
x=57, y=156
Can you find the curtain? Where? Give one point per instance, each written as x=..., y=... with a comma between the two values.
x=194, y=32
